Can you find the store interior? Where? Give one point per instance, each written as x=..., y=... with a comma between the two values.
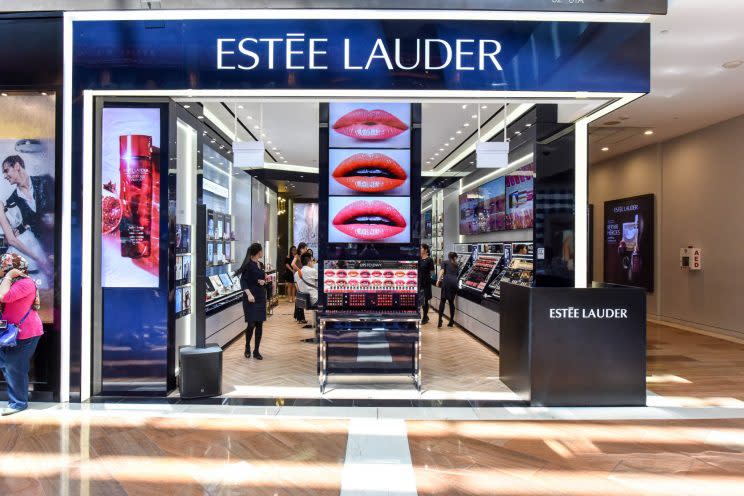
x=485, y=215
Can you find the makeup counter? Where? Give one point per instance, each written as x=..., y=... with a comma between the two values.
x=484, y=268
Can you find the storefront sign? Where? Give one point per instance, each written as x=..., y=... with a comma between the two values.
x=588, y=313
x=365, y=54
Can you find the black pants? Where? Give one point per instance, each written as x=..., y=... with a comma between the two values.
x=451, y=301
x=258, y=326
x=299, y=314
x=425, y=310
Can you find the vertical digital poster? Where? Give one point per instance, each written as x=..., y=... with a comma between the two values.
x=305, y=225
x=27, y=188
x=629, y=241
x=130, y=197
x=369, y=173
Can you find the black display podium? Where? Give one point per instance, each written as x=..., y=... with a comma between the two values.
x=574, y=347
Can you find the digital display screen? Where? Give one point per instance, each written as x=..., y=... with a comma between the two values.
x=210, y=253
x=225, y=279
x=506, y=203
x=370, y=125
x=371, y=219
x=363, y=171
x=628, y=242
x=210, y=225
x=130, y=197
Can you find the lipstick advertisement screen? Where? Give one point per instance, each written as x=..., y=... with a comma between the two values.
x=364, y=171
x=369, y=220
x=370, y=125
x=130, y=197
x=520, y=198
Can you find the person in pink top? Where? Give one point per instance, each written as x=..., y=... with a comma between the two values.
x=19, y=302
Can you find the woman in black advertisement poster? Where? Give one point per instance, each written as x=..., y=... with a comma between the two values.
x=252, y=282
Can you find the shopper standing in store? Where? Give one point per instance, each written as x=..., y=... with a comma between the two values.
x=447, y=280
x=425, y=269
x=19, y=304
x=299, y=314
x=252, y=282
x=289, y=274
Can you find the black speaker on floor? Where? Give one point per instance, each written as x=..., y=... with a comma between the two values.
x=201, y=371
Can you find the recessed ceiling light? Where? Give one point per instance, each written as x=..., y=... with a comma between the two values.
x=441, y=149
x=269, y=142
x=474, y=116
x=605, y=149
x=200, y=117
x=187, y=106
x=464, y=106
x=472, y=162
x=458, y=132
x=274, y=148
x=204, y=132
x=529, y=125
x=222, y=146
x=484, y=106
x=286, y=162
x=612, y=123
x=213, y=141
x=249, y=117
x=466, y=124
x=733, y=64
x=436, y=154
x=446, y=144
x=452, y=138
x=44, y=93
x=518, y=133
x=4, y=94
x=649, y=132
x=256, y=126
x=240, y=107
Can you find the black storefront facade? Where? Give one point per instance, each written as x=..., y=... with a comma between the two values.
x=111, y=57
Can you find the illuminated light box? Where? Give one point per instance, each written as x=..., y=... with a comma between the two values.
x=492, y=155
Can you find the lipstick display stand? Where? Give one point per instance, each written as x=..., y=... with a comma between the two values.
x=370, y=324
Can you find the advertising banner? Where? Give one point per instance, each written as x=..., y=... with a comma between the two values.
x=27, y=188
x=305, y=225
x=629, y=242
x=130, y=206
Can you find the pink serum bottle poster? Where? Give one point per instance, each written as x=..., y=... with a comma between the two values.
x=130, y=208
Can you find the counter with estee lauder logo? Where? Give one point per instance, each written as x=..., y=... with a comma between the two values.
x=574, y=346
x=588, y=313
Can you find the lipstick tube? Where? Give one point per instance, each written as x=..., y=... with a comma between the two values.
x=135, y=171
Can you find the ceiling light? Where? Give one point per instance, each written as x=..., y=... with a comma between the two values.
x=466, y=124
x=446, y=144
x=452, y=138
x=187, y=106
x=436, y=154
x=263, y=135
x=44, y=93
x=200, y=117
x=222, y=146
x=474, y=116
x=464, y=106
x=274, y=148
x=4, y=94
x=605, y=149
x=249, y=117
x=269, y=142
x=286, y=162
x=240, y=107
x=213, y=141
x=518, y=133
x=258, y=127
x=529, y=125
x=484, y=107
x=733, y=64
x=649, y=132
x=441, y=149
x=458, y=132
x=472, y=162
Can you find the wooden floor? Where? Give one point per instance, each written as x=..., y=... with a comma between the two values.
x=455, y=365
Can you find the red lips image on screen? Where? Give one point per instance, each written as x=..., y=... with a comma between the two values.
x=369, y=220
x=370, y=173
x=370, y=125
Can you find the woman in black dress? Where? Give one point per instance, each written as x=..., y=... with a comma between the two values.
x=425, y=268
x=299, y=314
x=252, y=282
x=448, y=282
x=289, y=274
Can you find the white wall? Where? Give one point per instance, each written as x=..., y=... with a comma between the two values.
x=697, y=179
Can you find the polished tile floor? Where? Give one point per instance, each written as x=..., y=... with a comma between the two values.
x=688, y=441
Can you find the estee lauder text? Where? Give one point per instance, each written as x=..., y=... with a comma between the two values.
x=588, y=313
x=296, y=52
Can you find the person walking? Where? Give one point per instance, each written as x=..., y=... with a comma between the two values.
x=425, y=269
x=289, y=274
x=19, y=305
x=252, y=282
x=448, y=282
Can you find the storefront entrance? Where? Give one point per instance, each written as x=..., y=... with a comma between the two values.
x=148, y=261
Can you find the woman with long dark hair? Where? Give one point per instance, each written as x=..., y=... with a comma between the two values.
x=425, y=269
x=448, y=282
x=252, y=282
x=289, y=274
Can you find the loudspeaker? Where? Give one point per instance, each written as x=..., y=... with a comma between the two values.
x=201, y=371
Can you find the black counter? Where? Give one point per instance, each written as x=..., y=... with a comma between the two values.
x=574, y=347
